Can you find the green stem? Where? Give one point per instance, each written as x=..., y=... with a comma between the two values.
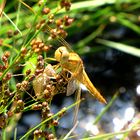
x=48, y=119
x=91, y=36
x=4, y=134
x=106, y=108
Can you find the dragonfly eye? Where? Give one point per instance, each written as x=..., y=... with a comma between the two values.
x=58, y=55
x=64, y=54
x=61, y=54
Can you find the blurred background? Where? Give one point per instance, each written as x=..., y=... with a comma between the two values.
x=106, y=34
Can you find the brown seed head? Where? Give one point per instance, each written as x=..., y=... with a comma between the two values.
x=7, y=54
x=46, y=10
x=1, y=41
x=51, y=136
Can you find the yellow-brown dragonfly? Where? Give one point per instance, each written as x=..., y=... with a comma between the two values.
x=71, y=62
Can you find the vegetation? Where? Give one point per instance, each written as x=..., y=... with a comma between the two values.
x=30, y=77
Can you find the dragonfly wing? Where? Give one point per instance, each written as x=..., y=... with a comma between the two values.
x=78, y=96
x=72, y=86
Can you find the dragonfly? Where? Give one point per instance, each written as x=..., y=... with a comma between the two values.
x=71, y=61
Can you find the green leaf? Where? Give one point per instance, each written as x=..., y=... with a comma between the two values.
x=30, y=64
x=121, y=47
x=128, y=23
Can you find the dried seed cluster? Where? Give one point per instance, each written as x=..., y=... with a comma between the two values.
x=60, y=24
x=19, y=106
x=57, y=25
x=44, y=134
x=46, y=10
x=12, y=33
x=38, y=46
x=3, y=120
x=4, y=59
x=44, y=80
x=66, y=4
x=23, y=86
x=23, y=52
x=5, y=93
x=47, y=83
x=45, y=111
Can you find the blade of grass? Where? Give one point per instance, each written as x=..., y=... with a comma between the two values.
x=106, y=108
x=10, y=47
x=90, y=37
x=134, y=7
x=90, y=3
x=121, y=47
x=26, y=5
x=126, y=22
x=95, y=3
x=69, y=133
x=133, y=126
x=117, y=4
x=48, y=119
x=14, y=25
x=4, y=134
x=2, y=5
x=109, y=135
x=15, y=134
x=18, y=13
x=35, y=17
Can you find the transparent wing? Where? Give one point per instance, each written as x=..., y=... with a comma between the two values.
x=72, y=86
x=78, y=96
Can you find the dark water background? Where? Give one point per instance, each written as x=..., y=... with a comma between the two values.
x=110, y=71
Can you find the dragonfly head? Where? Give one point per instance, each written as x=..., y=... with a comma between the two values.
x=61, y=54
